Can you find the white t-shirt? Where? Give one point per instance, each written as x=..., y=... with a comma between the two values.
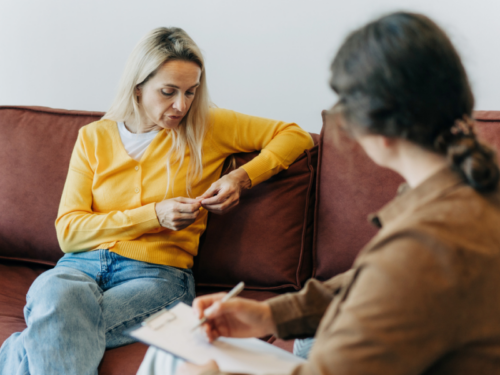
x=135, y=144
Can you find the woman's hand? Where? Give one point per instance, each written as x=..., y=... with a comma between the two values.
x=190, y=369
x=224, y=194
x=237, y=317
x=177, y=213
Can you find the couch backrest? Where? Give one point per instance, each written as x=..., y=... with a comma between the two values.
x=349, y=187
x=35, y=148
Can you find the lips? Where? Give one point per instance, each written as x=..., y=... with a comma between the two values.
x=175, y=117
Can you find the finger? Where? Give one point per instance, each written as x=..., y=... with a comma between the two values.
x=186, y=200
x=180, y=225
x=219, y=309
x=200, y=304
x=187, y=208
x=212, y=364
x=214, y=329
x=210, y=333
x=221, y=197
x=179, y=218
x=212, y=190
x=221, y=208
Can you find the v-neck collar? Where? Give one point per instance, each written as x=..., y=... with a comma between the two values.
x=118, y=139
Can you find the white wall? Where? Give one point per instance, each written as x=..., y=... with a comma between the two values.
x=264, y=57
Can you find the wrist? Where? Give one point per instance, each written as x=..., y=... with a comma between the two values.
x=268, y=318
x=242, y=177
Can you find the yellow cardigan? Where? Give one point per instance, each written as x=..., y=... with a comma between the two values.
x=108, y=201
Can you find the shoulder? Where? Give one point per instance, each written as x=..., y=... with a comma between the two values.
x=459, y=215
x=97, y=130
x=221, y=115
x=454, y=238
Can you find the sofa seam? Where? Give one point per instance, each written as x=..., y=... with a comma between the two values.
x=54, y=111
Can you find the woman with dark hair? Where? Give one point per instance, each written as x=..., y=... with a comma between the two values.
x=423, y=296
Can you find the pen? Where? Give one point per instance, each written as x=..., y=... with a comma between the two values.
x=234, y=292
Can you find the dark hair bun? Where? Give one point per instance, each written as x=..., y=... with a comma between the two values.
x=475, y=161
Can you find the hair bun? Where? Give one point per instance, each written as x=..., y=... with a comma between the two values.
x=475, y=161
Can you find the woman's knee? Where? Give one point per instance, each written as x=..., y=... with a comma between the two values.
x=62, y=287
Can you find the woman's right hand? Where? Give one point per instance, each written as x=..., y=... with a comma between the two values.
x=177, y=213
x=237, y=317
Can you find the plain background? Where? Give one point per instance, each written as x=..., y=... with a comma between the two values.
x=267, y=58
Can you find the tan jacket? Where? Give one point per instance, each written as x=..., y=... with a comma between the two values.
x=423, y=297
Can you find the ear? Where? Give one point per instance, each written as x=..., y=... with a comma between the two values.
x=138, y=92
x=387, y=142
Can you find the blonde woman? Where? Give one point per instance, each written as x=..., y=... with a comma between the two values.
x=140, y=184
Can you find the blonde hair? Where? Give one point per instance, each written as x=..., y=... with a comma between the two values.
x=153, y=50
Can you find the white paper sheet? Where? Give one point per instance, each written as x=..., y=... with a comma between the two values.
x=173, y=334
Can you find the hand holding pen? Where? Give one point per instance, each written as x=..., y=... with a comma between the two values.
x=233, y=317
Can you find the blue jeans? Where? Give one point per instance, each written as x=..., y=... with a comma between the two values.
x=81, y=307
x=302, y=347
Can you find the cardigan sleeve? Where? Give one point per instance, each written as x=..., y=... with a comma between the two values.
x=279, y=143
x=78, y=227
x=297, y=315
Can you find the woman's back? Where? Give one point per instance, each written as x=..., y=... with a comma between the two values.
x=433, y=271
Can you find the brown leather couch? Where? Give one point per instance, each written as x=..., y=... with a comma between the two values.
x=307, y=221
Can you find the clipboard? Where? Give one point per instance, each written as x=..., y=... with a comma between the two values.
x=171, y=331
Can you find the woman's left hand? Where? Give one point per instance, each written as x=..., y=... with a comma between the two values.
x=224, y=194
x=190, y=369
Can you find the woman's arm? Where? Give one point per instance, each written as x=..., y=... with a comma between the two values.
x=279, y=144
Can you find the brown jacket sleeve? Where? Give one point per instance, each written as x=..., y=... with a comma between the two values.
x=297, y=315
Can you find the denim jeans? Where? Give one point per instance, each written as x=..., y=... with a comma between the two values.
x=81, y=307
x=157, y=362
x=302, y=347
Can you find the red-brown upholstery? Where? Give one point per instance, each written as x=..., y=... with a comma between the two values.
x=35, y=148
x=350, y=186
x=488, y=128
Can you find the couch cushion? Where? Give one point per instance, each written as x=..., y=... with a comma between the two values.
x=267, y=240
x=488, y=127
x=35, y=148
x=350, y=186
x=15, y=279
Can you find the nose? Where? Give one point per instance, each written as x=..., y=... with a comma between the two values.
x=180, y=103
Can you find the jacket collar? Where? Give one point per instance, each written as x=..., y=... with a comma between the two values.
x=409, y=199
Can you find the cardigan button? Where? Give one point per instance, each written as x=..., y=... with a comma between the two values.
x=136, y=167
x=136, y=190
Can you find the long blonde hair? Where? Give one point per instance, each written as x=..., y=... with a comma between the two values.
x=153, y=50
